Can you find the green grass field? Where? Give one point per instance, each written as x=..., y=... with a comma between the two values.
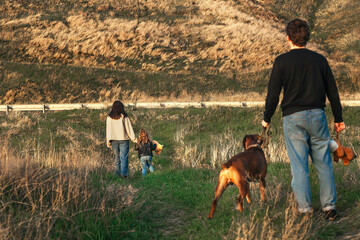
x=57, y=179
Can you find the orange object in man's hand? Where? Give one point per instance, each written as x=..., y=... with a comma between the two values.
x=344, y=153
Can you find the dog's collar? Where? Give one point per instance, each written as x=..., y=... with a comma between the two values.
x=254, y=145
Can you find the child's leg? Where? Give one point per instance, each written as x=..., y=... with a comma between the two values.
x=151, y=168
x=143, y=164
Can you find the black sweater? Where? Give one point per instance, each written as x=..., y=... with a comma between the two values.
x=307, y=79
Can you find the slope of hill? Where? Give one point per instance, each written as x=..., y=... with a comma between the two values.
x=66, y=51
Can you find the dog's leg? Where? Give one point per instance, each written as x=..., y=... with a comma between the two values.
x=243, y=191
x=262, y=189
x=221, y=187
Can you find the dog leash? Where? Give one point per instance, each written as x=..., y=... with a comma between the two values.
x=265, y=136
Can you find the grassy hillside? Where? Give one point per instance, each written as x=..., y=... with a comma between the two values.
x=57, y=181
x=88, y=51
x=56, y=174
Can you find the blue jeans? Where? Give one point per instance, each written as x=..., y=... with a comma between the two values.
x=306, y=133
x=146, y=163
x=121, y=151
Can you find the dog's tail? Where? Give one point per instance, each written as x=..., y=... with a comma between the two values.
x=226, y=165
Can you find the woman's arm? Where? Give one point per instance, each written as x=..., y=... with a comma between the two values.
x=129, y=129
x=137, y=146
x=108, y=132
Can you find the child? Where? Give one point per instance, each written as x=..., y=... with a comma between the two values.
x=145, y=146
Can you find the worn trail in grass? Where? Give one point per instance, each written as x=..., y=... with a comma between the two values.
x=177, y=203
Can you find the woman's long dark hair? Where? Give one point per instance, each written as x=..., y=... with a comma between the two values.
x=117, y=110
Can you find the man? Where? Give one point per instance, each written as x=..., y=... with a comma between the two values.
x=306, y=79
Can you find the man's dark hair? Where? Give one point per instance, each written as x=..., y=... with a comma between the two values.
x=298, y=31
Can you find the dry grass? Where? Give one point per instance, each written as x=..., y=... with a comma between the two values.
x=238, y=41
x=225, y=38
x=45, y=187
x=221, y=148
x=189, y=155
x=337, y=25
x=290, y=9
x=276, y=151
x=295, y=227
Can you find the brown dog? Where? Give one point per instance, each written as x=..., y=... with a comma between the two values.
x=245, y=167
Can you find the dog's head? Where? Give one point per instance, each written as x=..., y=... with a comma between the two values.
x=252, y=141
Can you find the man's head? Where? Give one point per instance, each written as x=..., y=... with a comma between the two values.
x=298, y=32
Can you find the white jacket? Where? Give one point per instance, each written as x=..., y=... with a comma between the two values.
x=119, y=129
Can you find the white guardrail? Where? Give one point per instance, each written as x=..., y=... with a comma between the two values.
x=72, y=106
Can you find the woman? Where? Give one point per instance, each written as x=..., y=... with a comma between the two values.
x=118, y=132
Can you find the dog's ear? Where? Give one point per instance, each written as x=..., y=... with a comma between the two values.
x=244, y=140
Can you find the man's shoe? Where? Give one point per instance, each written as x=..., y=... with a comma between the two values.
x=331, y=215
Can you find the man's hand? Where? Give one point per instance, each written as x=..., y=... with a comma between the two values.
x=265, y=124
x=109, y=145
x=339, y=126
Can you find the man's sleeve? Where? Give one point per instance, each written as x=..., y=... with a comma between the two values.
x=333, y=94
x=274, y=89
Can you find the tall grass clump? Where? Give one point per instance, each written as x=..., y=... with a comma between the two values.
x=211, y=154
x=223, y=148
x=219, y=148
x=188, y=154
x=52, y=195
x=259, y=224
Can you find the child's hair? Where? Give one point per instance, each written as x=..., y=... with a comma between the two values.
x=143, y=136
